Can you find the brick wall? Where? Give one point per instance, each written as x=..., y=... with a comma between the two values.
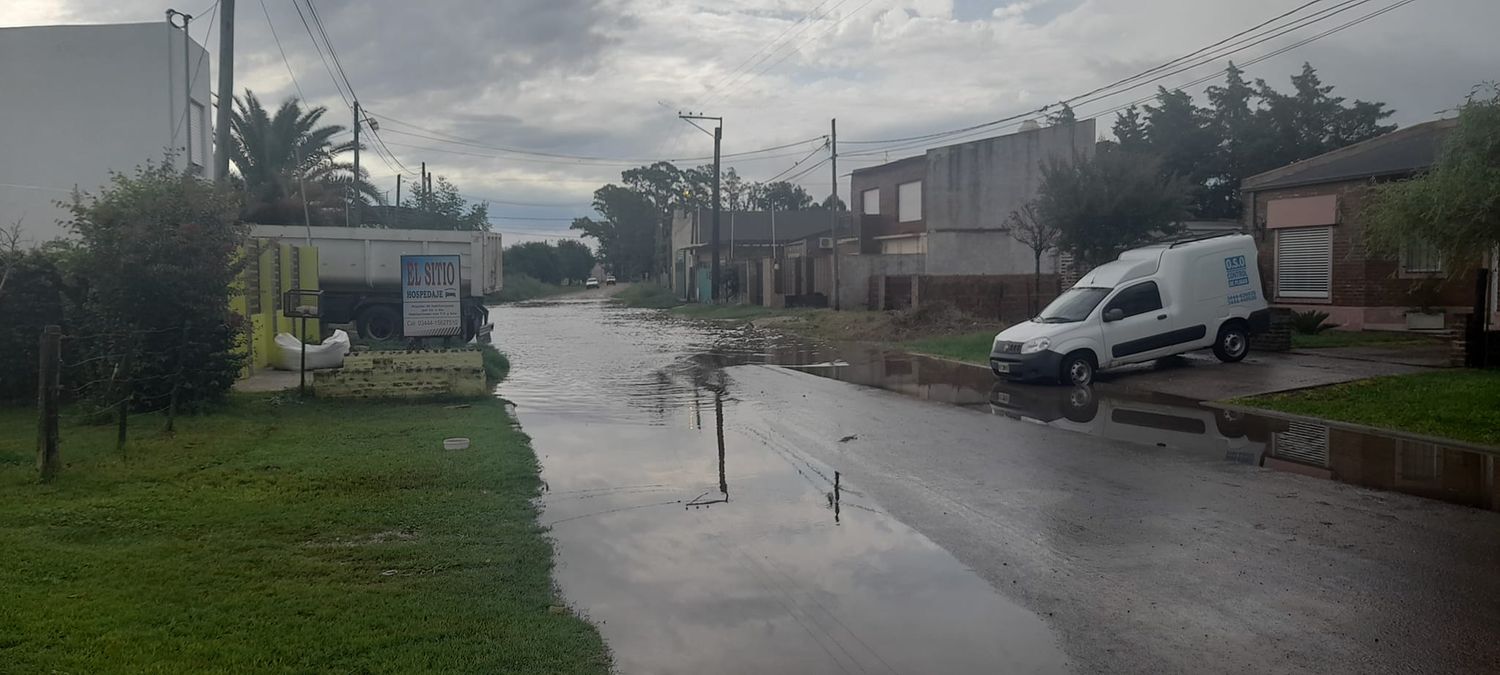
x=1358, y=279
x=1006, y=297
x=443, y=372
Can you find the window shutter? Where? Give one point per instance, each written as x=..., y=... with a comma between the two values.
x=1304, y=262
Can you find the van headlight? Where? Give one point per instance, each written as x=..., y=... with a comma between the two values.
x=1035, y=345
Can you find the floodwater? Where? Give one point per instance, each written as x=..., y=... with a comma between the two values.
x=1451, y=474
x=702, y=539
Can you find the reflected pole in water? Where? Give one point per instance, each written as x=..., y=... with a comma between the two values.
x=837, y=493
x=719, y=422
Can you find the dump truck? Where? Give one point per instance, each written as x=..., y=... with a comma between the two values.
x=359, y=272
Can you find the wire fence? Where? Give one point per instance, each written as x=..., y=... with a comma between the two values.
x=112, y=376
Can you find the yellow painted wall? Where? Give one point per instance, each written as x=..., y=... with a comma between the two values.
x=273, y=263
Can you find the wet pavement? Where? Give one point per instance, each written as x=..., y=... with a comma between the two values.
x=713, y=515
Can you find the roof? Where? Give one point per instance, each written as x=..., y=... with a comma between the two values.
x=755, y=226
x=891, y=164
x=1399, y=152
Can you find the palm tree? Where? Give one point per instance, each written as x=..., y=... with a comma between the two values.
x=285, y=160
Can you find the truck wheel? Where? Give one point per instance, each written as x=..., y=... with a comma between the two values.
x=1077, y=369
x=380, y=323
x=1233, y=343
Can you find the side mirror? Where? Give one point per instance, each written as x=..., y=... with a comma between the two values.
x=1114, y=314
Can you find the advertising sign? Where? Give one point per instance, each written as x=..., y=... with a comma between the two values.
x=430, y=305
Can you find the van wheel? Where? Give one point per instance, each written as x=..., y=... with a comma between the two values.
x=380, y=323
x=1232, y=344
x=1077, y=369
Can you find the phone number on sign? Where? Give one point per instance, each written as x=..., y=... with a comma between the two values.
x=1242, y=297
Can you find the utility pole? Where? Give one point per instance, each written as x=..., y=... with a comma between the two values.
x=226, y=91
x=187, y=86
x=353, y=185
x=398, y=190
x=833, y=206
x=718, y=134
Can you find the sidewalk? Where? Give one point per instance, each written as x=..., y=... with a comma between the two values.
x=1200, y=376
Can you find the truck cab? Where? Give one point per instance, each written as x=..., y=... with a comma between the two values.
x=1152, y=302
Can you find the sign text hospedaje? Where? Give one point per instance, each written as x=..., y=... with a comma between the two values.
x=430, y=304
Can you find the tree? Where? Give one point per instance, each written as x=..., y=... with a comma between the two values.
x=663, y=186
x=1454, y=207
x=161, y=250
x=286, y=160
x=445, y=209
x=1130, y=130
x=734, y=190
x=781, y=196
x=535, y=259
x=832, y=201
x=1311, y=121
x=1062, y=115
x=626, y=233
x=1177, y=132
x=1040, y=235
x=1233, y=122
x=575, y=262
x=1110, y=202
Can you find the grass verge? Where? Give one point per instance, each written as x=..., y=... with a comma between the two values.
x=1459, y=404
x=973, y=347
x=649, y=296
x=1350, y=338
x=517, y=288
x=279, y=535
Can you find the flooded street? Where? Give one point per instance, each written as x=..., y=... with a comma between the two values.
x=854, y=511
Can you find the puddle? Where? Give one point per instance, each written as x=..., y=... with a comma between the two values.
x=1456, y=475
x=702, y=538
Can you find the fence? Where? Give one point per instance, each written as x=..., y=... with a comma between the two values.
x=108, y=376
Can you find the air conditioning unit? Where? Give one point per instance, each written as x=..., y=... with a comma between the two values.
x=825, y=242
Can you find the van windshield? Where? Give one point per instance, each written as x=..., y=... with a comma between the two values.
x=1073, y=305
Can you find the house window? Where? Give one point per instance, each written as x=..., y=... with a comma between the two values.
x=1418, y=257
x=195, y=132
x=909, y=201
x=871, y=201
x=1304, y=262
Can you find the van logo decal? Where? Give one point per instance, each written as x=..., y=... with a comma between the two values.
x=1236, y=272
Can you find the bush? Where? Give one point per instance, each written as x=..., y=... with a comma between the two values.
x=1311, y=322
x=496, y=364
x=159, y=251
x=519, y=287
x=650, y=296
x=35, y=293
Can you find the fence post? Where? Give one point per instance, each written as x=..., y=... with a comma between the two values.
x=123, y=394
x=176, y=379
x=47, y=460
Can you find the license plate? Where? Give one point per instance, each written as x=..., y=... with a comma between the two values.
x=1001, y=367
x=1002, y=398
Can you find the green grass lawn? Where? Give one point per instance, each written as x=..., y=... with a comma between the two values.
x=1461, y=404
x=1351, y=338
x=973, y=347
x=518, y=288
x=730, y=312
x=276, y=535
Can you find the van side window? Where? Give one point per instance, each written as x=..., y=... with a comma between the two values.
x=1137, y=299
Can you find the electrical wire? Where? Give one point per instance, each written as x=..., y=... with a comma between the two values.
x=198, y=67
x=301, y=96
x=795, y=164
x=798, y=48
x=950, y=135
x=737, y=71
x=318, y=47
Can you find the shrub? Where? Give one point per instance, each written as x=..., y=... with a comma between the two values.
x=35, y=293
x=158, y=253
x=1311, y=322
x=496, y=364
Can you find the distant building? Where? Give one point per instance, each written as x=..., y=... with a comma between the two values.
x=944, y=214
x=765, y=256
x=78, y=102
x=1312, y=248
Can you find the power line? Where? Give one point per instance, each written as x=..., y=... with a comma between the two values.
x=1236, y=47
x=561, y=161
x=808, y=41
x=198, y=67
x=318, y=47
x=272, y=26
x=795, y=164
x=736, y=70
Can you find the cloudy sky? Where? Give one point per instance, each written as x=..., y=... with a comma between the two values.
x=606, y=78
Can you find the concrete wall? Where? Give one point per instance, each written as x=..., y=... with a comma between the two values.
x=972, y=188
x=856, y=271
x=80, y=101
x=886, y=178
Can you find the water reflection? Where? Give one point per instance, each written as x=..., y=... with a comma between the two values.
x=1457, y=475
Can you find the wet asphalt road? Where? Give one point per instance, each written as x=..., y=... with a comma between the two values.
x=985, y=529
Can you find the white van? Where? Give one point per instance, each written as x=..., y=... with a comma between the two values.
x=1153, y=302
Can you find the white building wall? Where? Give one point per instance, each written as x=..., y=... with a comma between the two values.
x=77, y=102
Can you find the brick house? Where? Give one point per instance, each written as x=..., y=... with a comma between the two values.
x=1312, y=252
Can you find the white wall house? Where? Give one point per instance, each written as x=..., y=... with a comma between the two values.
x=77, y=102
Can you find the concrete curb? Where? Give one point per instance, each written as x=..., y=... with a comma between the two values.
x=1359, y=428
